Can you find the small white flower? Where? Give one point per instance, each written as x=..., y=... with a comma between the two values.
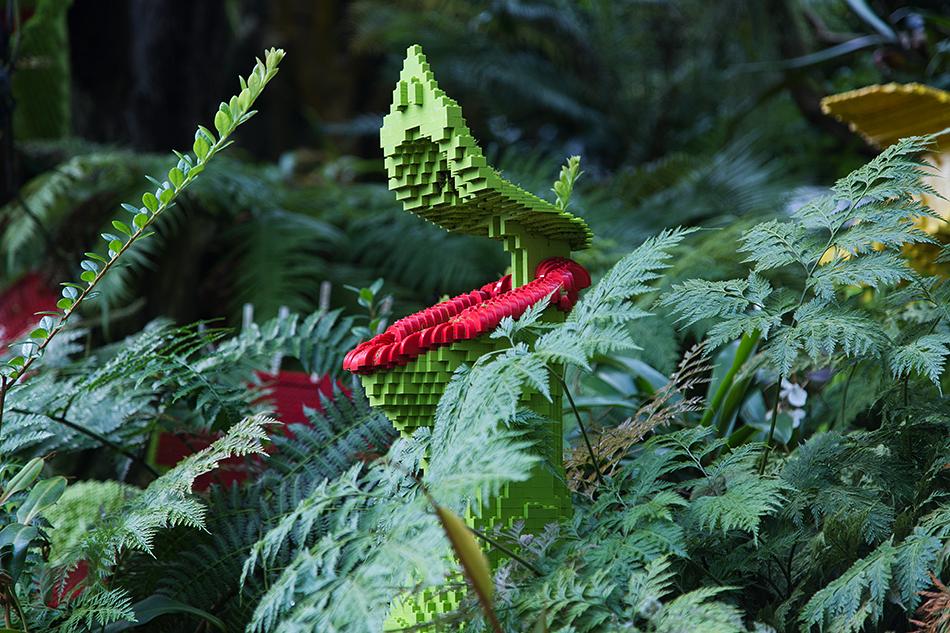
x=794, y=394
x=797, y=417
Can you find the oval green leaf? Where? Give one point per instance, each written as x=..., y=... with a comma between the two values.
x=176, y=177
x=201, y=147
x=222, y=122
x=16, y=538
x=43, y=495
x=23, y=479
x=150, y=201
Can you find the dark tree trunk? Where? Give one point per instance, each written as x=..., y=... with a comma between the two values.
x=177, y=50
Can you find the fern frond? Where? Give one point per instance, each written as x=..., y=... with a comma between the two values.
x=895, y=173
x=733, y=496
x=775, y=244
x=595, y=324
x=875, y=269
x=280, y=259
x=345, y=431
x=166, y=502
x=611, y=444
x=699, y=611
x=916, y=557
x=375, y=525
x=848, y=602
x=891, y=234
x=488, y=393
x=321, y=341
x=822, y=328
x=870, y=209
x=925, y=355
x=96, y=609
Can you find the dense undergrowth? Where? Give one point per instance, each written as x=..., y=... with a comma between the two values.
x=789, y=475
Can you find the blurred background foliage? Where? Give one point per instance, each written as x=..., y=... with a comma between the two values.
x=684, y=111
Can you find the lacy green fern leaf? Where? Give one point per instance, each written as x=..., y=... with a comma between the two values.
x=166, y=502
x=869, y=210
x=925, y=354
x=916, y=557
x=733, y=496
x=96, y=609
x=698, y=611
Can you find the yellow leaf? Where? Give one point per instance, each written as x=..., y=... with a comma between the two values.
x=469, y=553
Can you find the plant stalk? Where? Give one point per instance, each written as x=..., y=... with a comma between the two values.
x=508, y=552
x=580, y=423
x=746, y=345
x=99, y=438
x=768, y=440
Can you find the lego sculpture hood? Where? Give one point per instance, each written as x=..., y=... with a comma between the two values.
x=439, y=173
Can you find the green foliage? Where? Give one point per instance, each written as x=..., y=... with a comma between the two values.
x=872, y=206
x=228, y=118
x=690, y=528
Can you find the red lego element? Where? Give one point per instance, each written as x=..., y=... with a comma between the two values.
x=468, y=316
x=290, y=392
x=71, y=587
x=19, y=304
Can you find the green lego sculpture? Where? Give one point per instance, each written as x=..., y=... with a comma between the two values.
x=439, y=173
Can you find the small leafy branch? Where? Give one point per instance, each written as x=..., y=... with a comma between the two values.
x=565, y=183
x=229, y=116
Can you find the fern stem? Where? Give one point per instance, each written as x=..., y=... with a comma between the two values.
x=100, y=438
x=580, y=424
x=11, y=597
x=768, y=440
x=788, y=570
x=844, y=396
x=6, y=608
x=505, y=550
x=3, y=395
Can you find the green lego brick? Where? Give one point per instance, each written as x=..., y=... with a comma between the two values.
x=425, y=135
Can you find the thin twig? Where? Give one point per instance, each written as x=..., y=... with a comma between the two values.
x=496, y=544
x=768, y=441
x=94, y=435
x=580, y=423
x=3, y=395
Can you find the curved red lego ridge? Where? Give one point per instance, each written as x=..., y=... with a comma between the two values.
x=468, y=316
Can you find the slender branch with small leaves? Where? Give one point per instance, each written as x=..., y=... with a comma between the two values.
x=229, y=116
